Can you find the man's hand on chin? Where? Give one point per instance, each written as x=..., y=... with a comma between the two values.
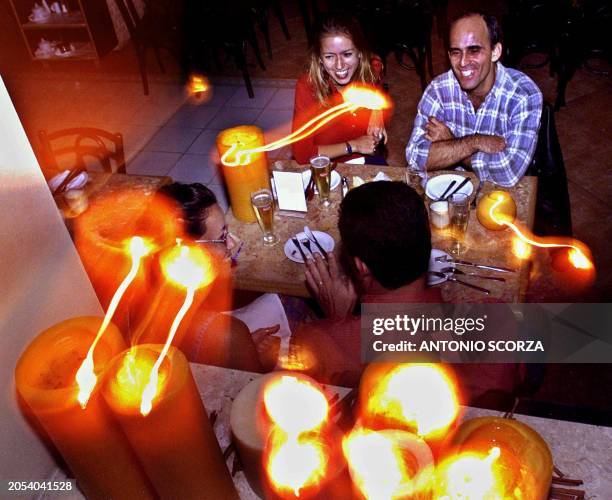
x=436, y=130
x=334, y=291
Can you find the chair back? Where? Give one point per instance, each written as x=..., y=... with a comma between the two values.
x=73, y=148
x=553, y=210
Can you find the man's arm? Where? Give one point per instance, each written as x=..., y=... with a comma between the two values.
x=508, y=166
x=448, y=152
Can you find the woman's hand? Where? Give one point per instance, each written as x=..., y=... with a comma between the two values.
x=366, y=144
x=376, y=126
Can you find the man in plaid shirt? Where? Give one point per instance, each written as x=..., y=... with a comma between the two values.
x=479, y=114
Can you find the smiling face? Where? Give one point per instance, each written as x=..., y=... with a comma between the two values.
x=471, y=55
x=340, y=58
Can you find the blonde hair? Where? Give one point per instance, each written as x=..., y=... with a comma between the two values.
x=318, y=78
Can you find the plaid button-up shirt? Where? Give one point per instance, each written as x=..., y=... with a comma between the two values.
x=511, y=110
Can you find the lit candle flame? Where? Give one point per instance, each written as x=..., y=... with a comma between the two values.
x=521, y=249
x=376, y=465
x=470, y=476
x=85, y=377
x=576, y=256
x=421, y=395
x=295, y=464
x=295, y=405
x=198, y=84
x=191, y=268
x=354, y=97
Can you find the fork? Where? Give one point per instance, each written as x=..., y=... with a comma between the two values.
x=306, y=243
x=454, y=270
x=455, y=280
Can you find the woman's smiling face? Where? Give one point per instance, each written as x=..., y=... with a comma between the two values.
x=340, y=58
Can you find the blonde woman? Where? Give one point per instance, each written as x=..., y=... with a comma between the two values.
x=338, y=58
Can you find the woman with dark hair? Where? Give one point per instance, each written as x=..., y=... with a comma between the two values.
x=207, y=335
x=339, y=57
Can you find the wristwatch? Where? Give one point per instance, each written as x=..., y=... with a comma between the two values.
x=349, y=149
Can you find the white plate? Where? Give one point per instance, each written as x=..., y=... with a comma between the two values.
x=292, y=253
x=437, y=267
x=39, y=20
x=437, y=185
x=335, y=180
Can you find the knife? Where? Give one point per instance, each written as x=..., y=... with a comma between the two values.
x=463, y=183
x=311, y=236
x=482, y=266
x=448, y=188
x=297, y=245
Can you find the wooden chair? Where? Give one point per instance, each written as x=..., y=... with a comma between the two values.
x=156, y=28
x=69, y=148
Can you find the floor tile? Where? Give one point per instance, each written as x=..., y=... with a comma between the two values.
x=282, y=99
x=231, y=117
x=219, y=95
x=241, y=98
x=194, y=116
x=205, y=144
x=173, y=139
x=221, y=195
x=275, y=123
x=194, y=168
x=152, y=163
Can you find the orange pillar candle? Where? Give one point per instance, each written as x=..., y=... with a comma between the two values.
x=495, y=207
x=242, y=180
x=175, y=441
x=89, y=439
x=416, y=397
x=518, y=461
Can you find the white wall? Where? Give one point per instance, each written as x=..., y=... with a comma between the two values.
x=42, y=282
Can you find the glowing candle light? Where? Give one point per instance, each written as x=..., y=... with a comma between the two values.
x=284, y=414
x=245, y=177
x=492, y=457
x=521, y=249
x=86, y=377
x=498, y=211
x=90, y=441
x=389, y=464
x=174, y=442
x=421, y=398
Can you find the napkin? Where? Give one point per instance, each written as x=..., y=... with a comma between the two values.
x=381, y=176
x=77, y=183
x=290, y=191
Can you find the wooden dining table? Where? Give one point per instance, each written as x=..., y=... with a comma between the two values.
x=267, y=269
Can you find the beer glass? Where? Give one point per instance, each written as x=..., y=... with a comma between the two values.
x=459, y=212
x=320, y=169
x=263, y=206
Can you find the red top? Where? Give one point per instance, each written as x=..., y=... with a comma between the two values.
x=344, y=128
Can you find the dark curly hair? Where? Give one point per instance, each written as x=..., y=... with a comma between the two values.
x=194, y=200
x=385, y=224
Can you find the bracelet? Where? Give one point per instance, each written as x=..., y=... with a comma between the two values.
x=349, y=149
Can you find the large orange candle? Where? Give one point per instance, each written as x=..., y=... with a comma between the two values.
x=416, y=397
x=89, y=439
x=175, y=441
x=242, y=180
x=500, y=457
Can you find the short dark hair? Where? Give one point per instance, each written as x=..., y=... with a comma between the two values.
x=493, y=26
x=193, y=200
x=386, y=225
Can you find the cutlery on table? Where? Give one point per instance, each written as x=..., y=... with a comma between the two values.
x=311, y=236
x=461, y=282
x=297, y=245
x=309, y=191
x=306, y=243
x=463, y=183
x=454, y=270
x=458, y=262
x=448, y=188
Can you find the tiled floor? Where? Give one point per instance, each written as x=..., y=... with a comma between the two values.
x=184, y=147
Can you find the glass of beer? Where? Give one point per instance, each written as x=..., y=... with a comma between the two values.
x=263, y=206
x=459, y=212
x=320, y=169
